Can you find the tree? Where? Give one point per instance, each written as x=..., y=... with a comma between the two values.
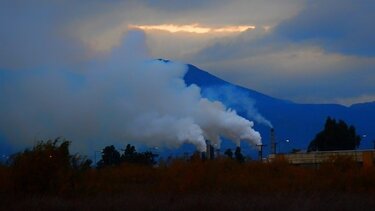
x=129, y=150
x=132, y=156
x=80, y=162
x=238, y=155
x=229, y=153
x=110, y=157
x=335, y=136
x=46, y=168
x=129, y=155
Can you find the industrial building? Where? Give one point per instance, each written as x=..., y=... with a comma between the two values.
x=315, y=158
x=210, y=151
x=301, y=158
x=363, y=157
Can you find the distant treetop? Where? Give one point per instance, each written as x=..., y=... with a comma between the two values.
x=336, y=135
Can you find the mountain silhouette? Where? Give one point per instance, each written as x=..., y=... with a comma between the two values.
x=295, y=122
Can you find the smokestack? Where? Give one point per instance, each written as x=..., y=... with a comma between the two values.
x=208, y=154
x=272, y=141
x=260, y=152
x=210, y=150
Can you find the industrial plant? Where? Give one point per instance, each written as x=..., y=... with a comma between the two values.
x=315, y=158
x=365, y=157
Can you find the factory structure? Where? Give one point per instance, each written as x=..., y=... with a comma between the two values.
x=301, y=158
x=210, y=152
x=315, y=158
x=363, y=157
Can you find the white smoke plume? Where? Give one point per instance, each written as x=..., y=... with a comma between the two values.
x=126, y=98
x=234, y=97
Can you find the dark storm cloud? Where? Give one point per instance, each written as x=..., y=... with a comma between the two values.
x=310, y=57
x=32, y=34
x=178, y=6
x=337, y=26
x=344, y=26
x=294, y=43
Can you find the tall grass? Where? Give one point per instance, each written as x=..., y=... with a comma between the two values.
x=220, y=184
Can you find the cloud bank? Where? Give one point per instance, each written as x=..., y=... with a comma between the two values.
x=322, y=54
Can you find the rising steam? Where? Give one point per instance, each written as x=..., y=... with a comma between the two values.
x=234, y=97
x=126, y=98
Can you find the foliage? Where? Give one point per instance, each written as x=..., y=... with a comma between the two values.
x=132, y=156
x=111, y=157
x=238, y=155
x=335, y=136
x=46, y=168
x=229, y=153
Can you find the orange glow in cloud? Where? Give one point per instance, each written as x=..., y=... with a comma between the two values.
x=192, y=28
x=233, y=29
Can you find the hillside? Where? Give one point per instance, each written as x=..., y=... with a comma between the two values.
x=296, y=122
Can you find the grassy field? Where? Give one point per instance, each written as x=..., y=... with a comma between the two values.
x=222, y=184
x=195, y=201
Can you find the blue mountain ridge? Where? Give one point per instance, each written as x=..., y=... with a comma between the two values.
x=298, y=123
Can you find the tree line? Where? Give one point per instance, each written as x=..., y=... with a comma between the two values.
x=336, y=135
x=112, y=157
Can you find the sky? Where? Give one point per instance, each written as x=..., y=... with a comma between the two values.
x=318, y=51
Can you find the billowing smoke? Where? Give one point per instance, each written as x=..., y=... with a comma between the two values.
x=124, y=98
x=238, y=99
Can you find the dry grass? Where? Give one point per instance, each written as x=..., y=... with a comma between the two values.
x=222, y=184
x=195, y=201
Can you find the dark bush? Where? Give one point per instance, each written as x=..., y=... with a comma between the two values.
x=46, y=168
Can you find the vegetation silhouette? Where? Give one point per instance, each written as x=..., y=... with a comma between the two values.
x=238, y=155
x=229, y=153
x=335, y=136
x=46, y=168
x=111, y=157
x=49, y=172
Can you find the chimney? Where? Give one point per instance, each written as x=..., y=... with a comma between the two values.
x=260, y=152
x=272, y=141
x=210, y=151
